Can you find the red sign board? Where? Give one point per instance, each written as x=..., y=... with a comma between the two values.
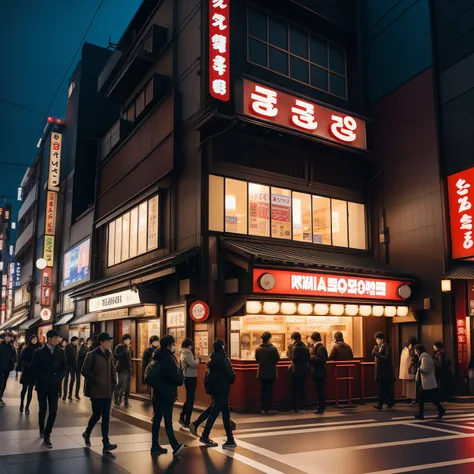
x=199, y=311
x=315, y=284
x=461, y=197
x=47, y=277
x=461, y=334
x=219, y=49
x=45, y=296
x=271, y=105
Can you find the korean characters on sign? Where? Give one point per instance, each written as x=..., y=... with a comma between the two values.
x=278, y=107
x=219, y=49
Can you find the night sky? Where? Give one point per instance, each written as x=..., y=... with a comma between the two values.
x=38, y=40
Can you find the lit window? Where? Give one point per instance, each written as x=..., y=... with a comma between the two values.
x=134, y=232
x=126, y=236
x=339, y=223
x=302, y=217
x=357, y=230
x=281, y=213
x=235, y=206
x=118, y=240
x=111, y=240
x=142, y=221
x=321, y=220
x=259, y=210
x=13, y=225
x=216, y=203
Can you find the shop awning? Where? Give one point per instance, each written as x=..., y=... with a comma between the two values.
x=86, y=318
x=15, y=321
x=461, y=272
x=303, y=256
x=64, y=320
x=30, y=323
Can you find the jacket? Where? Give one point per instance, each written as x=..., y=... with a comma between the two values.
x=146, y=357
x=408, y=362
x=81, y=356
x=189, y=363
x=299, y=360
x=317, y=361
x=99, y=371
x=222, y=373
x=267, y=356
x=71, y=356
x=442, y=364
x=7, y=357
x=28, y=376
x=169, y=376
x=49, y=369
x=341, y=351
x=383, y=363
x=123, y=356
x=426, y=372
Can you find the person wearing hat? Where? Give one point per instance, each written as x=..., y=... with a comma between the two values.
x=384, y=373
x=7, y=363
x=341, y=350
x=101, y=379
x=71, y=365
x=123, y=355
x=49, y=366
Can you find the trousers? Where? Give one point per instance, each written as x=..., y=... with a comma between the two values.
x=163, y=409
x=386, y=393
x=190, y=383
x=72, y=374
x=298, y=388
x=220, y=404
x=48, y=401
x=24, y=390
x=320, y=383
x=431, y=395
x=3, y=382
x=122, y=390
x=266, y=394
x=100, y=409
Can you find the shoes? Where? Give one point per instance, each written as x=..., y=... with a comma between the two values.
x=126, y=405
x=185, y=426
x=208, y=442
x=77, y=397
x=87, y=439
x=418, y=416
x=41, y=434
x=177, y=449
x=109, y=447
x=27, y=410
x=70, y=398
x=302, y=411
x=272, y=412
x=408, y=402
x=2, y=403
x=413, y=402
x=64, y=398
x=441, y=414
x=193, y=429
x=117, y=403
x=378, y=407
x=264, y=412
x=47, y=441
x=21, y=409
x=319, y=412
x=229, y=444
x=181, y=421
x=157, y=450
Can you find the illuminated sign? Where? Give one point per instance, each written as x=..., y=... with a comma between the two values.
x=19, y=195
x=48, y=249
x=283, y=109
x=54, y=161
x=50, y=221
x=76, y=264
x=219, y=49
x=114, y=300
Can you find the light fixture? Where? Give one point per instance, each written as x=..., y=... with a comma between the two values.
x=230, y=202
x=288, y=308
x=365, y=310
x=352, y=309
x=271, y=307
x=321, y=309
x=337, y=309
x=390, y=311
x=445, y=286
x=402, y=311
x=253, y=307
x=305, y=308
x=377, y=310
x=41, y=263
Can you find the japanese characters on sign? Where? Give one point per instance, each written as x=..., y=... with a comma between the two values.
x=461, y=197
x=219, y=49
x=50, y=221
x=461, y=335
x=284, y=109
x=54, y=161
x=48, y=249
x=46, y=284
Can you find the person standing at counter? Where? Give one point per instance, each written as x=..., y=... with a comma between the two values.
x=317, y=361
x=267, y=356
x=340, y=350
x=299, y=371
x=408, y=368
x=123, y=356
x=384, y=374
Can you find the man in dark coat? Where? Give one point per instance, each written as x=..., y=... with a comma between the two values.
x=340, y=350
x=7, y=363
x=123, y=355
x=49, y=366
x=148, y=353
x=384, y=373
x=267, y=356
x=81, y=357
x=299, y=371
x=71, y=366
x=317, y=361
x=99, y=372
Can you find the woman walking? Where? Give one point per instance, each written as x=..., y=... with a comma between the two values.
x=442, y=370
x=408, y=368
x=28, y=378
x=189, y=365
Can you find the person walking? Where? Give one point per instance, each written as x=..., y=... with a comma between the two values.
x=7, y=363
x=341, y=350
x=28, y=377
x=84, y=348
x=148, y=353
x=443, y=372
x=384, y=373
x=189, y=366
x=123, y=356
x=62, y=345
x=299, y=372
x=425, y=376
x=267, y=356
x=408, y=368
x=99, y=384
x=318, y=361
x=71, y=367
x=20, y=347
x=49, y=366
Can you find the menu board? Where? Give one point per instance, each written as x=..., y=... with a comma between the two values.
x=175, y=317
x=201, y=343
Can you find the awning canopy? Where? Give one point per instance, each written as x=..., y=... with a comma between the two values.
x=64, y=320
x=15, y=321
x=85, y=319
x=30, y=323
x=461, y=272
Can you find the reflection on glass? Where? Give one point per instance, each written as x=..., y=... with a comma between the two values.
x=259, y=210
x=321, y=220
x=339, y=223
x=302, y=217
x=235, y=206
x=281, y=213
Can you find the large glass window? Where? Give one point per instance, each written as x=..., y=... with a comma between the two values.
x=275, y=44
x=357, y=237
x=339, y=223
x=302, y=217
x=281, y=213
x=235, y=206
x=321, y=220
x=259, y=210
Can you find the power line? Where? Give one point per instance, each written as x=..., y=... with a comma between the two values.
x=20, y=106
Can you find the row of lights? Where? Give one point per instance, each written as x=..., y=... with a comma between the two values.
x=320, y=309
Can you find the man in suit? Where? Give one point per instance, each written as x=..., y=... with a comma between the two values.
x=49, y=366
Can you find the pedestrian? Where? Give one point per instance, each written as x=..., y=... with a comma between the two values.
x=148, y=353
x=341, y=350
x=62, y=345
x=189, y=364
x=425, y=376
x=20, y=347
x=318, y=363
x=219, y=377
x=408, y=368
x=443, y=372
x=267, y=356
x=123, y=355
x=299, y=372
x=28, y=377
x=84, y=348
x=165, y=382
x=49, y=366
x=99, y=384
x=7, y=363
x=71, y=367
x=384, y=373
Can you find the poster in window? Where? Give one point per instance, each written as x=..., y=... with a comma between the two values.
x=153, y=223
x=259, y=210
x=142, y=222
x=281, y=216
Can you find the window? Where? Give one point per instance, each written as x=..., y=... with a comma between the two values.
x=235, y=206
x=259, y=210
x=216, y=189
x=302, y=217
x=294, y=52
x=139, y=103
x=321, y=220
x=339, y=223
x=281, y=213
x=134, y=233
x=149, y=92
x=357, y=237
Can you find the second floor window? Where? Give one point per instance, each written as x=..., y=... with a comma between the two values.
x=297, y=53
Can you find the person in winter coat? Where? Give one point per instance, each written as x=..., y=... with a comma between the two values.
x=267, y=356
x=340, y=350
x=71, y=365
x=7, y=363
x=148, y=353
x=425, y=376
x=408, y=368
x=28, y=378
x=189, y=365
x=123, y=355
x=442, y=370
x=317, y=362
x=84, y=348
x=299, y=371
x=99, y=372
x=17, y=360
x=384, y=373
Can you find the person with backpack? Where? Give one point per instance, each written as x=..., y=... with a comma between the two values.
x=101, y=378
x=443, y=372
x=299, y=371
x=189, y=365
x=148, y=353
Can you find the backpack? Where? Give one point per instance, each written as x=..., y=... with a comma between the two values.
x=152, y=372
x=210, y=379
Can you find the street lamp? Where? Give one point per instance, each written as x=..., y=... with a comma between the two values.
x=446, y=286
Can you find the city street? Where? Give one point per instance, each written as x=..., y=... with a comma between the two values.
x=359, y=441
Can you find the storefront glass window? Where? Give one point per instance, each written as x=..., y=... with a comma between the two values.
x=142, y=220
x=118, y=240
x=146, y=329
x=176, y=324
x=235, y=206
x=281, y=213
x=321, y=220
x=134, y=232
x=302, y=217
x=111, y=240
x=216, y=203
x=339, y=223
x=357, y=232
x=126, y=236
x=259, y=210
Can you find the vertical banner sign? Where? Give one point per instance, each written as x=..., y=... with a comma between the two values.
x=50, y=221
x=461, y=334
x=48, y=250
x=54, y=161
x=219, y=49
x=46, y=284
